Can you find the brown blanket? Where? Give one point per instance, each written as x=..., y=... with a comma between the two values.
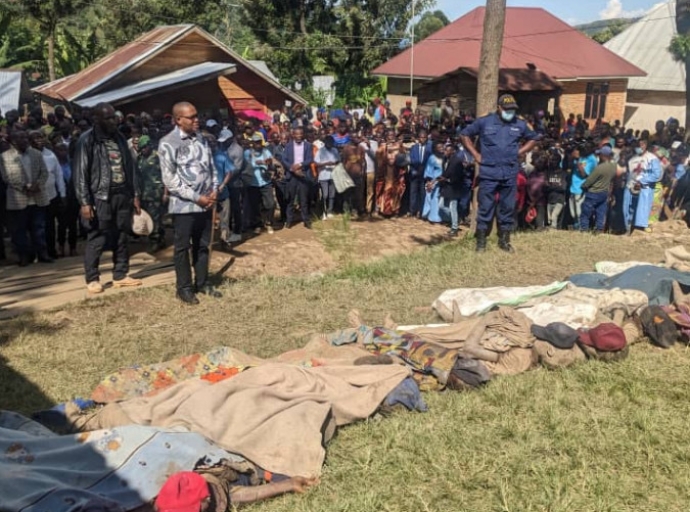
x=279, y=416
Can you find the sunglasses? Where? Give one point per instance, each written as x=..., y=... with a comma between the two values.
x=191, y=118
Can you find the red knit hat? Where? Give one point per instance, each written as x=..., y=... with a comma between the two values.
x=182, y=492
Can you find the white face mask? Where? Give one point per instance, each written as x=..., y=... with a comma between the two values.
x=507, y=115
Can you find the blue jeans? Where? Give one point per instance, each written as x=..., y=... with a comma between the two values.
x=594, y=203
x=327, y=195
x=29, y=222
x=417, y=193
x=448, y=208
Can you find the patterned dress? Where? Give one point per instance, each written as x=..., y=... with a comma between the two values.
x=390, y=179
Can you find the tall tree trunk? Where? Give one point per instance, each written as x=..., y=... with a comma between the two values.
x=51, y=55
x=687, y=91
x=683, y=28
x=303, y=17
x=489, y=62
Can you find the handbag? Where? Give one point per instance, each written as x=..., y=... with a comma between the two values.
x=341, y=179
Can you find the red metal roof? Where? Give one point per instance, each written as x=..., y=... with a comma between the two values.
x=74, y=86
x=532, y=35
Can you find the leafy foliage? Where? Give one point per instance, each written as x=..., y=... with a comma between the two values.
x=430, y=22
x=680, y=47
x=297, y=38
x=611, y=31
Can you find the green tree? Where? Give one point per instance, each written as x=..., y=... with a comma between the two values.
x=611, y=31
x=51, y=14
x=300, y=38
x=430, y=22
x=680, y=47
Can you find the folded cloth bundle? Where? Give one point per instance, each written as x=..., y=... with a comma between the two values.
x=607, y=357
x=514, y=362
x=552, y=357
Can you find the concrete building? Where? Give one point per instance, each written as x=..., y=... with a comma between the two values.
x=558, y=68
x=661, y=93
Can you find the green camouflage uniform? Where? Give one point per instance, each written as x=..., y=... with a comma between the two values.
x=152, y=190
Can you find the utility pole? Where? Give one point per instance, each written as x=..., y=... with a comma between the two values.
x=683, y=28
x=489, y=62
x=412, y=53
x=487, y=81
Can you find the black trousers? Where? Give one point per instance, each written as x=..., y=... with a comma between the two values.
x=299, y=189
x=53, y=213
x=236, y=209
x=68, y=224
x=192, y=231
x=111, y=226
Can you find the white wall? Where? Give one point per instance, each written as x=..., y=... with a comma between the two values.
x=644, y=108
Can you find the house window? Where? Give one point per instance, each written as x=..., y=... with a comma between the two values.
x=595, y=101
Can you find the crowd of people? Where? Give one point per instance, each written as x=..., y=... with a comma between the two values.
x=321, y=163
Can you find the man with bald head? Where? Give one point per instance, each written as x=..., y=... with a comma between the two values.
x=107, y=189
x=186, y=163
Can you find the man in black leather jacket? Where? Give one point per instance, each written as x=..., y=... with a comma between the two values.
x=107, y=190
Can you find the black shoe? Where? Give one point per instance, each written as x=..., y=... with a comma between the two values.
x=307, y=225
x=188, y=297
x=453, y=232
x=504, y=241
x=288, y=225
x=481, y=240
x=210, y=291
x=45, y=258
x=24, y=261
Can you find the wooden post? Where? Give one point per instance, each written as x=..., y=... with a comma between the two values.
x=489, y=67
x=490, y=59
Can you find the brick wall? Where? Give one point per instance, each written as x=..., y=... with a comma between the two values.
x=574, y=94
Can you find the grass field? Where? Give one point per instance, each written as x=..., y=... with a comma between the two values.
x=596, y=437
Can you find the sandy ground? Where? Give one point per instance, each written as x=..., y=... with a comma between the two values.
x=295, y=251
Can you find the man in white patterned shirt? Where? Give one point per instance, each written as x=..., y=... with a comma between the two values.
x=190, y=177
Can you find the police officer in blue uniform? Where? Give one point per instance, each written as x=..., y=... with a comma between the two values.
x=499, y=134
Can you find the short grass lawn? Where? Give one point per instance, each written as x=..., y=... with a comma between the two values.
x=598, y=437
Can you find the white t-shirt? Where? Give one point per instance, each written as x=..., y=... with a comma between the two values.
x=327, y=155
x=370, y=150
x=55, y=184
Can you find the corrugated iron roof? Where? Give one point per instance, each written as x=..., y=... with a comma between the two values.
x=10, y=89
x=263, y=67
x=75, y=86
x=532, y=36
x=141, y=89
x=645, y=44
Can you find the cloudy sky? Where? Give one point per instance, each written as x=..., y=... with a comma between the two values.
x=579, y=11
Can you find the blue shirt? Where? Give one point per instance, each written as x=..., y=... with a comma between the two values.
x=499, y=143
x=680, y=171
x=590, y=162
x=224, y=166
x=433, y=169
x=67, y=172
x=341, y=140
